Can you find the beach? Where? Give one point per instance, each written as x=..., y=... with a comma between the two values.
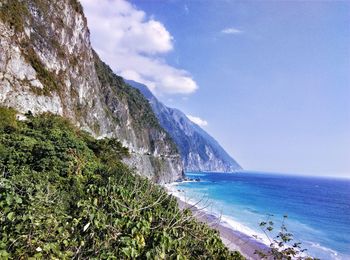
x=316, y=210
x=233, y=239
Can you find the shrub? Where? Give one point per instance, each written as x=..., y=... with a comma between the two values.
x=64, y=195
x=281, y=246
x=7, y=119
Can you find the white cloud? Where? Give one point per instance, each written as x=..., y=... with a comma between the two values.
x=231, y=30
x=197, y=120
x=132, y=44
x=186, y=9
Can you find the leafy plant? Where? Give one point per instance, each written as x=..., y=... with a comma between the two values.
x=281, y=246
x=8, y=119
x=66, y=195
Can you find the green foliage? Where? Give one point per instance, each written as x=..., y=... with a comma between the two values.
x=66, y=195
x=140, y=110
x=7, y=119
x=13, y=12
x=16, y=14
x=77, y=6
x=109, y=150
x=46, y=77
x=281, y=246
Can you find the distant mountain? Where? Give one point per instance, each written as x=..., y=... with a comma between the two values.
x=199, y=151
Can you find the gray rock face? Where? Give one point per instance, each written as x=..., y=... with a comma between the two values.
x=47, y=64
x=199, y=151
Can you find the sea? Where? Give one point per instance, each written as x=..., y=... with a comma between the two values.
x=317, y=209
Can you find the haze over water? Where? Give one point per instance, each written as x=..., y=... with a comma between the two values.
x=318, y=209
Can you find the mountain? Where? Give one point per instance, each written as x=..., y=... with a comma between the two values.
x=199, y=151
x=47, y=64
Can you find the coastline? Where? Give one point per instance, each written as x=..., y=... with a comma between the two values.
x=233, y=239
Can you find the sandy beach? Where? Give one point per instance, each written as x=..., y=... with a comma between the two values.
x=233, y=239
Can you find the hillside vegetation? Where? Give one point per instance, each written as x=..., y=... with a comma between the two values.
x=199, y=151
x=47, y=64
x=65, y=195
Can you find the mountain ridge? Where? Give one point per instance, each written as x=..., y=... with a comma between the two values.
x=199, y=150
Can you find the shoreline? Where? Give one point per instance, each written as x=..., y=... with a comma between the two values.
x=233, y=239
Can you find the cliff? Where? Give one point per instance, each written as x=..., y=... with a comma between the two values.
x=199, y=151
x=47, y=64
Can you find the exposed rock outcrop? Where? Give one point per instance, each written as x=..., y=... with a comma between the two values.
x=199, y=151
x=47, y=64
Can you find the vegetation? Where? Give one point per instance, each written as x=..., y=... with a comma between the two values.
x=140, y=109
x=77, y=6
x=13, y=12
x=281, y=246
x=47, y=78
x=65, y=195
x=115, y=89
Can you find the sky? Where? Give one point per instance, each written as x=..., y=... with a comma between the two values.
x=270, y=80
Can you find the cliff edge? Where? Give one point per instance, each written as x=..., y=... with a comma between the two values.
x=47, y=64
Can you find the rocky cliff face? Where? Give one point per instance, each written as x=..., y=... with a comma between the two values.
x=199, y=151
x=47, y=65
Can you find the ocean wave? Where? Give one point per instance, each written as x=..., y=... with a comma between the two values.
x=197, y=174
x=226, y=220
x=244, y=215
x=329, y=252
x=236, y=226
x=173, y=189
x=231, y=223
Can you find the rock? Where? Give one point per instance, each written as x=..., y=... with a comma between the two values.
x=50, y=66
x=199, y=151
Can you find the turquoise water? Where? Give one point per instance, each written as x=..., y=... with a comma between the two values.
x=318, y=209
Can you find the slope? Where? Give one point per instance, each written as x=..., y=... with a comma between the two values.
x=66, y=195
x=47, y=64
x=199, y=151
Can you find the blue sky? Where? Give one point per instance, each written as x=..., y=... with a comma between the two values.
x=269, y=80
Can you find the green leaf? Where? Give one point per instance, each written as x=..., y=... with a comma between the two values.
x=18, y=200
x=11, y=216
